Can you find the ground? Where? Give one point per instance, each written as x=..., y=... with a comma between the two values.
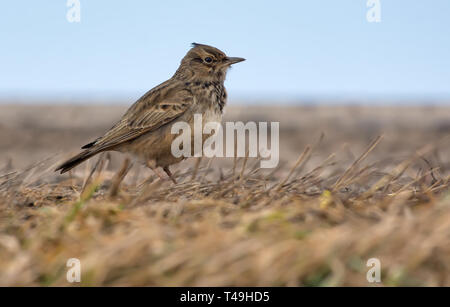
x=353, y=183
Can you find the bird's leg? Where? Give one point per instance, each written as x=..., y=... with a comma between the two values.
x=153, y=167
x=169, y=173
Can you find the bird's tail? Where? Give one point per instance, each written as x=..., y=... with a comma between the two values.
x=74, y=161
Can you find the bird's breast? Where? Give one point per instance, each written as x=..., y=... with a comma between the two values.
x=210, y=94
x=220, y=95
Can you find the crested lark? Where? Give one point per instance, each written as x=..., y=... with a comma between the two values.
x=197, y=87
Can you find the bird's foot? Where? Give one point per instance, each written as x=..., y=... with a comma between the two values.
x=169, y=173
x=158, y=173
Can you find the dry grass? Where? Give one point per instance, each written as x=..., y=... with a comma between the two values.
x=333, y=203
x=231, y=226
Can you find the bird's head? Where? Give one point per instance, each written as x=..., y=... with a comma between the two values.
x=206, y=62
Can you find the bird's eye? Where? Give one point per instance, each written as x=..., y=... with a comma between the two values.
x=208, y=60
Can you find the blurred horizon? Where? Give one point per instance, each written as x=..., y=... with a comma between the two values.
x=296, y=51
x=332, y=100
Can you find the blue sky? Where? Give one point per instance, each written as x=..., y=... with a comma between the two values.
x=294, y=49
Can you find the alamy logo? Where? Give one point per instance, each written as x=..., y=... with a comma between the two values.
x=74, y=12
x=374, y=12
x=213, y=145
x=74, y=273
x=374, y=273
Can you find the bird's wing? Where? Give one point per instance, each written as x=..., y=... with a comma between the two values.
x=153, y=110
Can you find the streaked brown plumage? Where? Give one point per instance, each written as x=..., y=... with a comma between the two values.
x=144, y=130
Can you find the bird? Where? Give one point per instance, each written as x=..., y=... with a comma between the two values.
x=144, y=131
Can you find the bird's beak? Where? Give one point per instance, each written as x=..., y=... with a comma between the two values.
x=233, y=60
